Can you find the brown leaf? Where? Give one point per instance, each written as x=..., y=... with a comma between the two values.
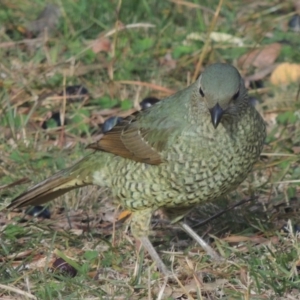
x=124, y=215
x=168, y=62
x=260, y=74
x=101, y=44
x=285, y=73
x=260, y=58
x=296, y=149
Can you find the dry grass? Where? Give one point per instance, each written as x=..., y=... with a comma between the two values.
x=145, y=50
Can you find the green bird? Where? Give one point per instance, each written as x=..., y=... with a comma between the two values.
x=190, y=148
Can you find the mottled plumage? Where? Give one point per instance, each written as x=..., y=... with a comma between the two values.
x=190, y=148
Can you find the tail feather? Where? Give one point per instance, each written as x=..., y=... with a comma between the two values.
x=46, y=191
x=60, y=183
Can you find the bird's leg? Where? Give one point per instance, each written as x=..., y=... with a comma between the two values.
x=209, y=250
x=154, y=255
x=140, y=224
x=176, y=217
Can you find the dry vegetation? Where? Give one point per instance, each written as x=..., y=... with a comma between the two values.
x=63, y=72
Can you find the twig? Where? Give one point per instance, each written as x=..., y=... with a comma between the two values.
x=205, y=47
x=18, y=291
x=218, y=214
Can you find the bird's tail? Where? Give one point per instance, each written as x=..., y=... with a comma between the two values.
x=79, y=175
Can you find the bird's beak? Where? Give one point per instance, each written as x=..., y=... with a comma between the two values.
x=216, y=115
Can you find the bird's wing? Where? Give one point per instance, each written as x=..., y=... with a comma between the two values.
x=134, y=140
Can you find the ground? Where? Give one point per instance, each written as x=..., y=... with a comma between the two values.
x=65, y=71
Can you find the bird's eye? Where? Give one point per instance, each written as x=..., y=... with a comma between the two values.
x=201, y=92
x=236, y=95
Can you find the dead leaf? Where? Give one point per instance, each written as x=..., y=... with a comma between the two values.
x=124, y=215
x=260, y=74
x=260, y=58
x=168, y=62
x=101, y=44
x=244, y=275
x=296, y=149
x=285, y=73
x=270, y=118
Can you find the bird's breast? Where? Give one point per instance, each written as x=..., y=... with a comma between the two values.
x=206, y=165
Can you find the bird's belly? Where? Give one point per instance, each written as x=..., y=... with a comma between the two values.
x=179, y=184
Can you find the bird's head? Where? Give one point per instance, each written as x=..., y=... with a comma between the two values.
x=222, y=89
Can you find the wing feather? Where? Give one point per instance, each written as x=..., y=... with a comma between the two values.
x=133, y=140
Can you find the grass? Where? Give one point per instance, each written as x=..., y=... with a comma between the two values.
x=152, y=54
